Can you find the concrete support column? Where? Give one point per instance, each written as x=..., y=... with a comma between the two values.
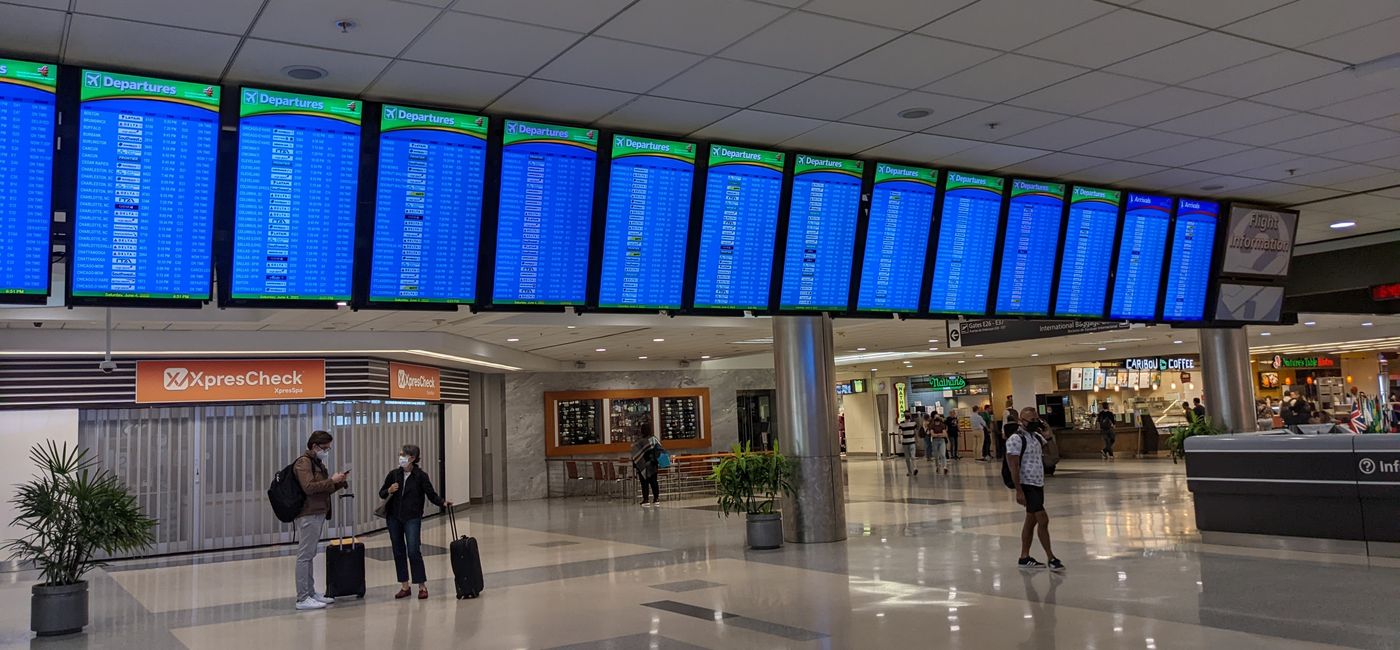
x=805, y=371
x=1229, y=384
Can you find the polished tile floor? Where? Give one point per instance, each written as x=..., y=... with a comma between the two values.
x=930, y=563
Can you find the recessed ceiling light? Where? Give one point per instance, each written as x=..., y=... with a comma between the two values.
x=572, y=327
x=933, y=340
x=341, y=303
x=1212, y=187
x=874, y=370
x=511, y=340
x=931, y=349
x=1035, y=354
x=600, y=349
x=978, y=356
x=1310, y=323
x=1342, y=225
x=658, y=340
x=860, y=349
x=915, y=113
x=1266, y=334
x=1367, y=324
x=1102, y=349
x=704, y=356
x=304, y=72
x=962, y=361
x=641, y=357
x=1178, y=342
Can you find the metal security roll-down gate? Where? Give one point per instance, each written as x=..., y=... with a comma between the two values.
x=203, y=471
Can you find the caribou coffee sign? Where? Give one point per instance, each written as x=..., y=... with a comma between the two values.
x=1160, y=364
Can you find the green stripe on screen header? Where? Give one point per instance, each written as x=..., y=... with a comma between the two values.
x=1095, y=194
x=517, y=131
x=726, y=155
x=403, y=117
x=270, y=102
x=958, y=180
x=626, y=145
x=107, y=85
x=887, y=172
x=42, y=76
x=806, y=163
x=1020, y=187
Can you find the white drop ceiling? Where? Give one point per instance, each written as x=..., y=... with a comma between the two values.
x=1252, y=96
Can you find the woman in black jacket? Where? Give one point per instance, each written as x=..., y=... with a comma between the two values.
x=405, y=489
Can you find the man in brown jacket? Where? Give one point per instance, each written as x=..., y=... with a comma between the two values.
x=313, y=476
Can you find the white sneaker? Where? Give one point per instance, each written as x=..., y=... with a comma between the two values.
x=310, y=603
x=322, y=598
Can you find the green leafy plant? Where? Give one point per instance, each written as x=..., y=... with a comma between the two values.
x=750, y=482
x=1195, y=426
x=72, y=511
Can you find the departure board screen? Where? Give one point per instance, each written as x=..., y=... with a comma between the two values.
x=1033, y=215
x=144, y=216
x=427, y=209
x=26, y=176
x=545, y=215
x=737, y=232
x=821, y=236
x=1137, y=278
x=294, y=217
x=1088, y=251
x=896, y=241
x=648, y=223
x=967, y=240
x=1188, y=269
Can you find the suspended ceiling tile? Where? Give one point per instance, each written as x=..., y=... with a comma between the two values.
x=1365, y=108
x=1009, y=24
x=441, y=85
x=94, y=41
x=943, y=108
x=842, y=139
x=262, y=62
x=1085, y=93
x=1158, y=106
x=382, y=28
x=1067, y=134
x=1264, y=75
x=1360, y=45
x=1174, y=178
x=919, y=148
x=1244, y=160
x=995, y=123
x=1287, y=170
x=489, y=44
x=788, y=42
x=912, y=61
x=576, y=15
x=899, y=14
x=226, y=16
x=1116, y=171
x=1055, y=165
x=1208, y=13
x=1101, y=41
x=1194, y=57
x=33, y=32
x=606, y=63
x=1348, y=136
x=560, y=101
x=731, y=83
x=1306, y=21
x=827, y=98
x=757, y=127
x=1282, y=129
x=1190, y=152
x=665, y=115
x=1005, y=77
x=1220, y=119
x=991, y=156
x=701, y=27
x=1324, y=91
x=1131, y=144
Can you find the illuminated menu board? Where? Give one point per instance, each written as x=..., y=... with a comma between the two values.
x=742, y=190
x=1033, y=216
x=427, y=210
x=896, y=242
x=1088, y=249
x=648, y=223
x=546, y=214
x=967, y=239
x=1188, y=269
x=821, y=236
x=294, y=218
x=144, y=218
x=26, y=177
x=1138, y=276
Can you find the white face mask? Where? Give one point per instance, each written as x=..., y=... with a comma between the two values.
x=323, y=454
x=403, y=461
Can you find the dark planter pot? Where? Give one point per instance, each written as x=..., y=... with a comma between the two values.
x=55, y=610
x=765, y=531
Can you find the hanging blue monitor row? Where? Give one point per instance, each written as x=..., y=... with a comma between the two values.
x=322, y=201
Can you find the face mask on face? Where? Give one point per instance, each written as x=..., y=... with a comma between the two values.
x=323, y=454
x=403, y=461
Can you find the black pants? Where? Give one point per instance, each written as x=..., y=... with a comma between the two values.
x=986, y=443
x=655, y=486
x=1109, y=435
x=952, y=445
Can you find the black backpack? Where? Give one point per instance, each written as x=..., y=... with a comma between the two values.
x=286, y=495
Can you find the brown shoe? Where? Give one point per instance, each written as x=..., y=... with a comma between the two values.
x=403, y=593
x=423, y=593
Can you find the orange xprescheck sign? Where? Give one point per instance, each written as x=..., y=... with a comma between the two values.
x=230, y=380
x=408, y=381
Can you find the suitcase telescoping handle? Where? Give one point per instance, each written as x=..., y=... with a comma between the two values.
x=348, y=512
x=452, y=521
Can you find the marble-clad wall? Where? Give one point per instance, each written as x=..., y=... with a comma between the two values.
x=524, y=411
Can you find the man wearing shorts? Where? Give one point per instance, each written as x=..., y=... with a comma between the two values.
x=1024, y=457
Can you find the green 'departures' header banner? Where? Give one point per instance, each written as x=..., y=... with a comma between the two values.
x=887, y=172
x=806, y=163
x=43, y=76
x=958, y=180
x=1020, y=187
x=626, y=145
x=263, y=102
x=403, y=117
x=517, y=132
x=1095, y=194
x=725, y=155
x=106, y=85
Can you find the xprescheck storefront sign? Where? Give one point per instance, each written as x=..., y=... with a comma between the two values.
x=229, y=380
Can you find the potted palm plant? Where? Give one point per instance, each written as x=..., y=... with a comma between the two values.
x=1195, y=426
x=74, y=513
x=751, y=482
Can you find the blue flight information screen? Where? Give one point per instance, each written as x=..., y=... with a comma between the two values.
x=1088, y=249
x=1033, y=216
x=967, y=240
x=294, y=218
x=26, y=176
x=737, y=232
x=546, y=214
x=144, y=219
x=427, y=211
x=1188, y=271
x=821, y=236
x=896, y=241
x=648, y=223
x=1138, y=276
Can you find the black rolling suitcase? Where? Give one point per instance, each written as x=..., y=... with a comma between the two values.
x=466, y=562
x=345, y=560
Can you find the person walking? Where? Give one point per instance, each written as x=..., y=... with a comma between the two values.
x=952, y=423
x=645, y=454
x=1106, y=422
x=404, y=490
x=1011, y=422
x=1024, y=459
x=984, y=428
x=1199, y=409
x=938, y=443
x=908, y=435
x=318, y=484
